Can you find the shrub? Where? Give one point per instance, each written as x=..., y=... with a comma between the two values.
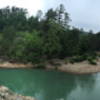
x=66, y=61
x=78, y=59
x=55, y=64
x=92, y=61
x=27, y=47
x=41, y=66
x=71, y=61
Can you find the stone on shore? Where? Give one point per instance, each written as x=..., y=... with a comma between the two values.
x=7, y=94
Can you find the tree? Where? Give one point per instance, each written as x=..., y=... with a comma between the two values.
x=33, y=23
x=13, y=17
x=52, y=45
x=8, y=36
x=32, y=38
x=39, y=15
x=62, y=16
x=60, y=12
x=51, y=15
x=27, y=47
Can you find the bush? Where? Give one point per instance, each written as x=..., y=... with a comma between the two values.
x=71, y=61
x=54, y=62
x=92, y=61
x=66, y=61
x=78, y=59
x=27, y=47
x=56, y=65
x=41, y=66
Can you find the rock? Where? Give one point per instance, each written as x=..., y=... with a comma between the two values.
x=7, y=94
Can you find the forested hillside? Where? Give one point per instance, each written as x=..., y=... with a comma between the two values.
x=27, y=38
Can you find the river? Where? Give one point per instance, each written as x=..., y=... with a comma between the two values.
x=51, y=85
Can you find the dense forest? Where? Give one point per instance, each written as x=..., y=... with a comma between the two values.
x=37, y=38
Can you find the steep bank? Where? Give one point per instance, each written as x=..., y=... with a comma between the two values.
x=7, y=94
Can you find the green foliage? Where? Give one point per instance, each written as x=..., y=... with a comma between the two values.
x=55, y=63
x=78, y=58
x=35, y=38
x=40, y=65
x=92, y=61
x=27, y=46
x=51, y=15
x=71, y=61
x=92, y=58
x=52, y=45
x=13, y=17
x=66, y=61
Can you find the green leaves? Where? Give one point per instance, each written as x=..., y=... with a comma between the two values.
x=35, y=38
x=28, y=46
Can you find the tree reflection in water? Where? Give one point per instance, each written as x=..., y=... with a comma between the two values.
x=58, y=86
x=47, y=85
x=86, y=81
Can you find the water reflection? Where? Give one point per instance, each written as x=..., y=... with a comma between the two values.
x=86, y=81
x=85, y=88
x=47, y=85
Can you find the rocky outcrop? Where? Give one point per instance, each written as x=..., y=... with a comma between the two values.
x=7, y=94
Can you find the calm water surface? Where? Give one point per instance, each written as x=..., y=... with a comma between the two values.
x=51, y=85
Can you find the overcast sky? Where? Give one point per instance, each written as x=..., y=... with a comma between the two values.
x=84, y=13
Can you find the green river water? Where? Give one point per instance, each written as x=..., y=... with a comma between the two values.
x=51, y=85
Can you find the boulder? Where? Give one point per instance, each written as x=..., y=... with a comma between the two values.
x=7, y=94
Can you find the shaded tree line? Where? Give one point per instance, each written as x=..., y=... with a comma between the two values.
x=44, y=36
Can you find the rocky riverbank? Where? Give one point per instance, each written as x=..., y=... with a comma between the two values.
x=6, y=64
x=7, y=94
x=76, y=68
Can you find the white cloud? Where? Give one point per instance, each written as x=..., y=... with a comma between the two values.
x=32, y=5
x=84, y=13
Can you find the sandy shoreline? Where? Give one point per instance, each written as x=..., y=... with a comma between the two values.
x=76, y=68
x=15, y=65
